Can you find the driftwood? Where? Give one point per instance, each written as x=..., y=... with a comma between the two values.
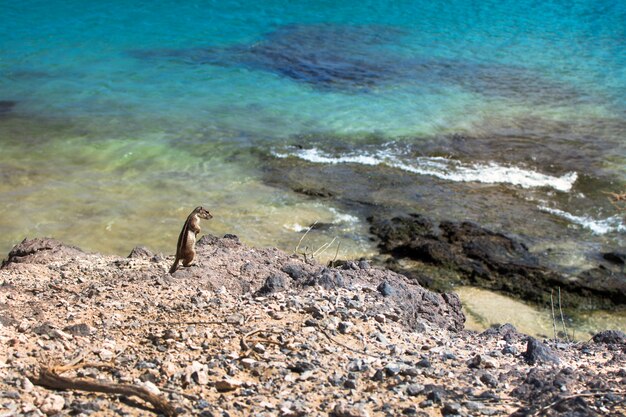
x=49, y=378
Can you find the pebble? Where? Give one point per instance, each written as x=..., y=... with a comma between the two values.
x=248, y=363
x=414, y=389
x=52, y=404
x=392, y=369
x=293, y=409
x=452, y=409
x=171, y=334
x=489, y=380
x=358, y=365
x=410, y=411
x=350, y=384
x=145, y=365
x=27, y=386
x=345, y=327
x=24, y=326
x=344, y=410
x=106, y=355
x=538, y=352
x=197, y=372
x=474, y=405
x=424, y=363
x=386, y=289
x=510, y=350
x=151, y=387
x=301, y=366
x=235, y=318
x=379, y=375
x=227, y=384
x=380, y=337
x=80, y=329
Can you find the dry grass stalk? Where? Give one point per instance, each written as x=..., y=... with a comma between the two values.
x=562, y=319
x=303, y=236
x=553, y=317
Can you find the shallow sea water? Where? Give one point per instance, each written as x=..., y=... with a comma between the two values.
x=117, y=119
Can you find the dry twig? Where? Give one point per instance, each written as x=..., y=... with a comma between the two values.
x=569, y=397
x=618, y=200
x=50, y=378
x=361, y=352
x=323, y=248
x=303, y=236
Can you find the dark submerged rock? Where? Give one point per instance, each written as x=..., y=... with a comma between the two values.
x=353, y=58
x=480, y=257
x=618, y=258
x=6, y=106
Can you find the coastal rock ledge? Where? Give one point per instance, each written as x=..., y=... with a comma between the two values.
x=249, y=331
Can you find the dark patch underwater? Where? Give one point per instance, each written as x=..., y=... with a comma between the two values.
x=357, y=59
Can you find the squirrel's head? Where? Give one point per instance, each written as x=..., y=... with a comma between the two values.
x=203, y=213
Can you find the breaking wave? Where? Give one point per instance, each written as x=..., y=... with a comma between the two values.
x=598, y=227
x=444, y=168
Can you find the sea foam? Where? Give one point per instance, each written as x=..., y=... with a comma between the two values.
x=598, y=227
x=444, y=168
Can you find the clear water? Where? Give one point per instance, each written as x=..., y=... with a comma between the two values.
x=121, y=116
x=484, y=309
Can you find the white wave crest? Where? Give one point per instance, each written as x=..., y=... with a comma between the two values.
x=447, y=169
x=598, y=227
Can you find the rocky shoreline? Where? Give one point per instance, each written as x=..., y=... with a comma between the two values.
x=474, y=255
x=441, y=234
x=260, y=332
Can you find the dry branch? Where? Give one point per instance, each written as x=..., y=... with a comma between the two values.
x=559, y=400
x=49, y=378
x=618, y=200
x=360, y=352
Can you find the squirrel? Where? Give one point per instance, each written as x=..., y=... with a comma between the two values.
x=186, y=247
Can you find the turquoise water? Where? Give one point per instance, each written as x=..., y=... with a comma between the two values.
x=119, y=117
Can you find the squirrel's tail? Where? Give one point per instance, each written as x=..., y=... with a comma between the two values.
x=175, y=266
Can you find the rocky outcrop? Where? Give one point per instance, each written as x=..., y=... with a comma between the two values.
x=41, y=251
x=249, y=331
x=226, y=262
x=487, y=259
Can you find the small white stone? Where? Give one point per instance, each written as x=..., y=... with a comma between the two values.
x=27, y=386
x=24, y=325
x=60, y=334
x=53, y=404
x=248, y=363
x=106, y=355
x=227, y=384
x=151, y=387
